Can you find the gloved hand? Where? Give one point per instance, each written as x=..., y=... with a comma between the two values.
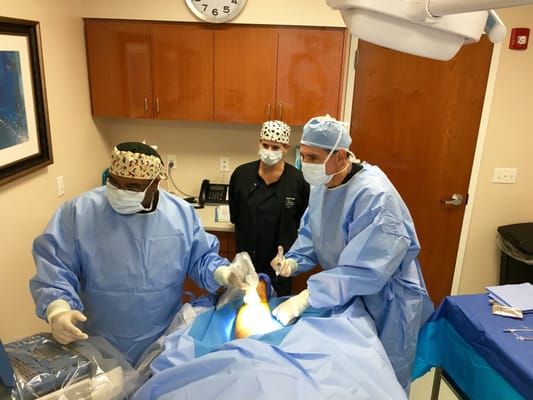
x=292, y=308
x=62, y=320
x=239, y=274
x=283, y=266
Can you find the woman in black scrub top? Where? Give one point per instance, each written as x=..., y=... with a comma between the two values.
x=267, y=198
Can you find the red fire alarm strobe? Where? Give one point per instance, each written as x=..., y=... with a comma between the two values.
x=519, y=38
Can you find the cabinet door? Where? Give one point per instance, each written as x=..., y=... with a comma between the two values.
x=182, y=67
x=245, y=73
x=309, y=73
x=118, y=56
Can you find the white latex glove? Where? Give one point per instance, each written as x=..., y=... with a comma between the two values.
x=239, y=274
x=283, y=266
x=62, y=321
x=292, y=308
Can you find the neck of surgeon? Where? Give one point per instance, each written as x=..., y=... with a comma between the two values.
x=341, y=167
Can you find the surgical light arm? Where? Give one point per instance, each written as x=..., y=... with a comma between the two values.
x=428, y=28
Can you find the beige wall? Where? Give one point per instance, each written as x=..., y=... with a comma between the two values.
x=79, y=152
x=507, y=143
x=81, y=144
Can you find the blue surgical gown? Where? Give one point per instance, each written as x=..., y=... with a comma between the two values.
x=363, y=236
x=124, y=272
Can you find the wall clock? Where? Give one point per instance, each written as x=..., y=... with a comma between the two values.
x=216, y=10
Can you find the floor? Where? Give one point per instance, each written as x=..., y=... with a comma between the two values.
x=421, y=389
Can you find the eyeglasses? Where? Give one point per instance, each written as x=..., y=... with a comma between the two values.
x=129, y=185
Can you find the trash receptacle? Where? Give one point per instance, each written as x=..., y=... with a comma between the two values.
x=516, y=244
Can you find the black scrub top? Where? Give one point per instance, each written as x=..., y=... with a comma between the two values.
x=266, y=216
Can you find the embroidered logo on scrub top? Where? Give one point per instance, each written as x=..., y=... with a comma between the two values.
x=290, y=202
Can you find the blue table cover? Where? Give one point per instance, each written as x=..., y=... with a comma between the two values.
x=469, y=343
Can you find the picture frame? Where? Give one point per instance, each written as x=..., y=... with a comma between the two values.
x=25, y=143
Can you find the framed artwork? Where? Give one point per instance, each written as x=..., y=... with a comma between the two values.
x=25, y=144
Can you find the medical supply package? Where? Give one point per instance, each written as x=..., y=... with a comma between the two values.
x=45, y=369
x=518, y=296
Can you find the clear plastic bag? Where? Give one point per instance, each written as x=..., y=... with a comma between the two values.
x=243, y=267
x=88, y=369
x=512, y=251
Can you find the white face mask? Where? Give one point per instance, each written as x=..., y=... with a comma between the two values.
x=315, y=174
x=125, y=201
x=270, y=157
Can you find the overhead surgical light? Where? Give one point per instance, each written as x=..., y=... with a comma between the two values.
x=428, y=28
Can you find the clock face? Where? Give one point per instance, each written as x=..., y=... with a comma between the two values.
x=216, y=10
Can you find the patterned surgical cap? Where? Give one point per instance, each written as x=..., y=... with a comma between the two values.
x=136, y=160
x=276, y=131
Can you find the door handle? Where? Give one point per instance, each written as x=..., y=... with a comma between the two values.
x=455, y=201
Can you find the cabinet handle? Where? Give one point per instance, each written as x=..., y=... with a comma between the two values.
x=268, y=112
x=280, y=111
x=145, y=105
x=157, y=105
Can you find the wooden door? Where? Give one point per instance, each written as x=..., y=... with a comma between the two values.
x=309, y=73
x=182, y=67
x=418, y=119
x=118, y=57
x=245, y=73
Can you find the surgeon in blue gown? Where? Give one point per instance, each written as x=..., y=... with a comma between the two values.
x=359, y=230
x=112, y=262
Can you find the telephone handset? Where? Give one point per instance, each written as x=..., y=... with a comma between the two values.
x=216, y=193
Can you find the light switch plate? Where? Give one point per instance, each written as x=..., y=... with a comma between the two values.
x=504, y=175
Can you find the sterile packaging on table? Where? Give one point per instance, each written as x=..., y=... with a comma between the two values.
x=88, y=369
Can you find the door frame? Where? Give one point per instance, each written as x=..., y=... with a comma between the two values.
x=476, y=166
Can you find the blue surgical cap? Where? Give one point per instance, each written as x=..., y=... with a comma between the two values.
x=324, y=131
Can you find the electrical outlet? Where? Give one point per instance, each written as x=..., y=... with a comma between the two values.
x=224, y=164
x=171, y=159
x=60, y=186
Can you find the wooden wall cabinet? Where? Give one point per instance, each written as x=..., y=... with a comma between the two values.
x=223, y=73
x=285, y=73
x=245, y=73
x=310, y=73
x=150, y=70
x=118, y=57
x=182, y=76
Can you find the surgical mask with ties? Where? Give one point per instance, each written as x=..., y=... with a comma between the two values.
x=315, y=174
x=270, y=157
x=125, y=201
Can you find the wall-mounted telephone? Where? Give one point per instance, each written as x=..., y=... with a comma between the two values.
x=216, y=193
